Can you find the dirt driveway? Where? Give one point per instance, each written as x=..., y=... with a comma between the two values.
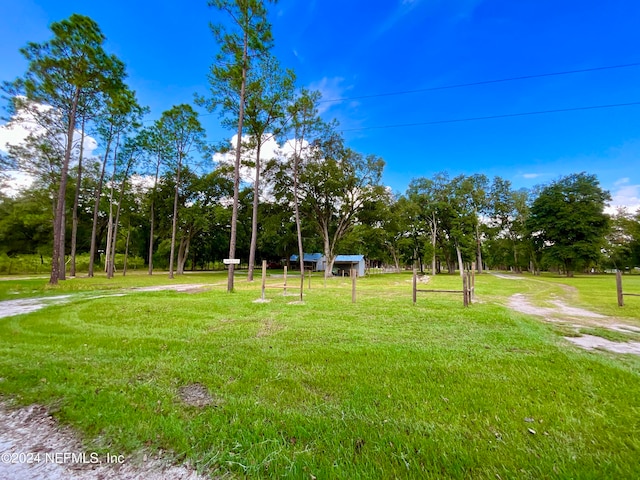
x=34, y=447
x=567, y=315
x=9, y=308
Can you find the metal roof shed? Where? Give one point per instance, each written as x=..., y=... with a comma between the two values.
x=315, y=261
x=347, y=262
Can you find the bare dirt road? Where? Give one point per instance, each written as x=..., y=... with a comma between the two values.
x=561, y=312
x=34, y=447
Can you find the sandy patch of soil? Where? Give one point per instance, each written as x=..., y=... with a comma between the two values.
x=9, y=308
x=508, y=277
x=591, y=342
x=520, y=303
x=33, y=447
x=196, y=395
x=10, y=278
x=269, y=327
x=577, y=318
x=184, y=288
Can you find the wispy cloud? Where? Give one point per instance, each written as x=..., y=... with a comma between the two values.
x=331, y=89
x=16, y=132
x=625, y=195
x=457, y=11
x=532, y=175
x=401, y=11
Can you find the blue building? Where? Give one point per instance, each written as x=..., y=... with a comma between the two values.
x=342, y=264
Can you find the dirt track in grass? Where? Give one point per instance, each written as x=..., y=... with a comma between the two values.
x=9, y=308
x=564, y=314
x=34, y=447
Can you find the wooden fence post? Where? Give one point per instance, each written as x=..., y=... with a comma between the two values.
x=415, y=282
x=353, y=286
x=301, y=282
x=465, y=289
x=619, y=288
x=284, y=291
x=264, y=276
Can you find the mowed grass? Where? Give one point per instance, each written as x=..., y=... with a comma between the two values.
x=329, y=389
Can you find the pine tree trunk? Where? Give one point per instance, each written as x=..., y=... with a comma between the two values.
x=174, y=225
x=434, y=233
x=181, y=256
x=296, y=207
x=152, y=217
x=236, y=169
x=479, y=254
x=96, y=208
x=114, y=236
x=254, y=215
x=126, y=251
x=76, y=198
x=58, y=224
x=107, y=259
x=151, y=224
x=63, y=232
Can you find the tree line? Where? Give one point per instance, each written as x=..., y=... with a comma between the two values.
x=152, y=192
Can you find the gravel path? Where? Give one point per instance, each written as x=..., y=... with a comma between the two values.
x=579, y=317
x=9, y=308
x=34, y=447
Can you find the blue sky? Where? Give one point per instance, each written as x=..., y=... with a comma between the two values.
x=350, y=49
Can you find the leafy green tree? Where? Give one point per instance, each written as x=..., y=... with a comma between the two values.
x=622, y=240
x=430, y=199
x=158, y=151
x=337, y=184
x=507, y=213
x=61, y=71
x=183, y=132
x=25, y=222
x=129, y=158
x=568, y=219
x=244, y=39
x=121, y=117
x=199, y=212
x=269, y=91
x=379, y=232
x=461, y=218
x=480, y=205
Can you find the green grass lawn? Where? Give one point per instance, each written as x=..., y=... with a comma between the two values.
x=331, y=389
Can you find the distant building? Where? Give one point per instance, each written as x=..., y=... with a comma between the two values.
x=342, y=264
x=349, y=262
x=312, y=261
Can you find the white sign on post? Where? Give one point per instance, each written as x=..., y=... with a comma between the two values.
x=231, y=261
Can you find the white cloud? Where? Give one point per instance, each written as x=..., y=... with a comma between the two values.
x=330, y=89
x=269, y=150
x=22, y=124
x=16, y=132
x=622, y=181
x=532, y=175
x=625, y=195
x=16, y=182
